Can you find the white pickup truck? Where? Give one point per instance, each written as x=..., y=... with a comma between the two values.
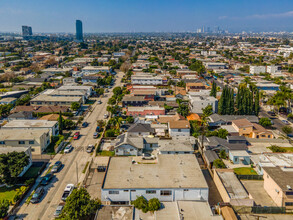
x=67, y=191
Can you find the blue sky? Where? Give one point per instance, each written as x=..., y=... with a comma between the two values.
x=146, y=15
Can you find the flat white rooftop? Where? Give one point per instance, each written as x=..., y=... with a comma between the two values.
x=170, y=171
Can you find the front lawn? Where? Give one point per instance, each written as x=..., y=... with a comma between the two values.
x=106, y=153
x=8, y=193
x=245, y=171
x=277, y=149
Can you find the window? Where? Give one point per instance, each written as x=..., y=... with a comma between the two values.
x=31, y=142
x=33, y=149
x=289, y=193
x=131, y=149
x=288, y=203
x=151, y=191
x=126, y=190
x=166, y=192
x=113, y=192
x=186, y=190
x=269, y=136
x=133, y=190
x=257, y=136
x=179, y=130
x=2, y=142
x=21, y=142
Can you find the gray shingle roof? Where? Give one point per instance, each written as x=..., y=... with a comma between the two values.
x=141, y=128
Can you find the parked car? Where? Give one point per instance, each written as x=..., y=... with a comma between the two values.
x=147, y=156
x=271, y=113
x=106, y=116
x=99, y=102
x=85, y=124
x=56, y=167
x=68, y=149
x=38, y=195
x=97, y=129
x=46, y=179
x=96, y=135
x=290, y=119
x=285, y=122
x=67, y=191
x=76, y=135
x=59, y=210
x=90, y=148
x=290, y=135
x=107, y=90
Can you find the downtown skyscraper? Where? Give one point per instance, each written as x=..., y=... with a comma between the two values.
x=79, y=34
x=27, y=31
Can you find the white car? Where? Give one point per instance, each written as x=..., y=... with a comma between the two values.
x=148, y=156
x=106, y=116
x=68, y=149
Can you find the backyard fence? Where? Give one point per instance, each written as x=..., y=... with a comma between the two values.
x=259, y=209
x=249, y=177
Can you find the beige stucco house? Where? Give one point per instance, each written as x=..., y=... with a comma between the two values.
x=38, y=140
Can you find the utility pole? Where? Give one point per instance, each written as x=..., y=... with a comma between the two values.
x=76, y=173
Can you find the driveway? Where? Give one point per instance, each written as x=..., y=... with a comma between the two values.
x=260, y=196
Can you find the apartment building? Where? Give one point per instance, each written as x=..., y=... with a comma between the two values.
x=125, y=179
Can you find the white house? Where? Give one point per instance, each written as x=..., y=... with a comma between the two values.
x=197, y=103
x=146, y=79
x=257, y=69
x=177, y=145
x=89, y=70
x=179, y=128
x=128, y=145
x=274, y=70
x=169, y=178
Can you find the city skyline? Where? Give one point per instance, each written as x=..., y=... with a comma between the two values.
x=150, y=16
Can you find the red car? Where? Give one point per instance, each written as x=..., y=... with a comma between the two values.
x=76, y=135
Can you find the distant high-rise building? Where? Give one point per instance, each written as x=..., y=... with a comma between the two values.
x=27, y=31
x=79, y=35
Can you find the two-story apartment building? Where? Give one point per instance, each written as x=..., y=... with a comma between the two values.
x=33, y=125
x=181, y=179
x=38, y=139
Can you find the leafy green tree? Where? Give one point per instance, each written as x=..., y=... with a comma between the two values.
x=181, y=84
x=11, y=165
x=117, y=91
x=218, y=163
x=154, y=204
x=130, y=119
x=4, y=207
x=68, y=124
x=79, y=206
x=141, y=203
x=75, y=106
x=222, y=133
x=223, y=154
x=266, y=122
x=208, y=110
x=183, y=110
x=112, y=101
x=287, y=129
x=110, y=133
